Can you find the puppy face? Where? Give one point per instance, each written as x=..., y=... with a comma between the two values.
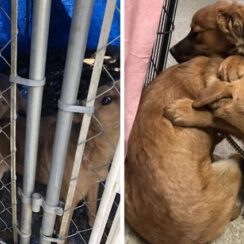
x=108, y=106
x=104, y=129
x=215, y=30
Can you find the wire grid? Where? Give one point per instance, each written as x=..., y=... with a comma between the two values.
x=161, y=46
x=5, y=181
x=80, y=229
x=6, y=227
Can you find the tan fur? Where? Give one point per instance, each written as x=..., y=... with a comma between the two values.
x=225, y=99
x=216, y=29
x=98, y=153
x=97, y=156
x=174, y=194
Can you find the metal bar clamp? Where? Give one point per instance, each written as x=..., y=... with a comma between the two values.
x=26, y=82
x=75, y=108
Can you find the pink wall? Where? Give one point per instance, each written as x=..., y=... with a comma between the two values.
x=141, y=23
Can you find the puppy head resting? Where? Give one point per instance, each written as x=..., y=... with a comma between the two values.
x=216, y=29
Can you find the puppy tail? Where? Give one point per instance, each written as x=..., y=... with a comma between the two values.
x=212, y=94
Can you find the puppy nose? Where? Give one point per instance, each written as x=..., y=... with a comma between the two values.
x=173, y=51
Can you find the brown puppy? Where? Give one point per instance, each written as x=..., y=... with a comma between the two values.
x=216, y=29
x=225, y=99
x=230, y=108
x=104, y=133
x=98, y=152
x=174, y=193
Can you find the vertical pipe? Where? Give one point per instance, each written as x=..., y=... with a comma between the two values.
x=73, y=67
x=101, y=49
x=115, y=231
x=14, y=38
x=39, y=39
x=109, y=193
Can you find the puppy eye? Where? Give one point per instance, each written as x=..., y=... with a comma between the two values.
x=106, y=100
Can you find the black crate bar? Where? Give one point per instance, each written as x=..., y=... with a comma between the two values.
x=160, y=50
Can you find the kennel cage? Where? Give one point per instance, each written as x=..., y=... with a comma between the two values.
x=27, y=216
x=160, y=50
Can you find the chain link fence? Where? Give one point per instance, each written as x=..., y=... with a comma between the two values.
x=8, y=211
x=91, y=140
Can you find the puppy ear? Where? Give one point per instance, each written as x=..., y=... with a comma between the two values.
x=212, y=94
x=230, y=23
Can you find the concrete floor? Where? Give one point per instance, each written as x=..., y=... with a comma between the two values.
x=234, y=233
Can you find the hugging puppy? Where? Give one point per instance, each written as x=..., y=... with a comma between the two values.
x=174, y=192
x=226, y=99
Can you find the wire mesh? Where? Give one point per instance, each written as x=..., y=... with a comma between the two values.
x=161, y=46
x=104, y=133
x=101, y=143
x=7, y=120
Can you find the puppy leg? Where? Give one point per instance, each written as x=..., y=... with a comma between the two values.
x=213, y=93
x=69, y=220
x=229, y=176
x=182, y=113
x=224, y=184
x=232, y=68
x=224, y=109
x=230, y=111
x=92, y=196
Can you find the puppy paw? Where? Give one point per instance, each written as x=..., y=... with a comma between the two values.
x=232, y=68
x=221, y=108
x=180, y=112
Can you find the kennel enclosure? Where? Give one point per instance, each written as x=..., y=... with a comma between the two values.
x=31, y=201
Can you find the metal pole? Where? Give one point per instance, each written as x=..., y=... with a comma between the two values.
x=115, y=231
x=111, y=188
x=14, y=38
x=73, y=67
x=39, y=39
x=101, y=49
